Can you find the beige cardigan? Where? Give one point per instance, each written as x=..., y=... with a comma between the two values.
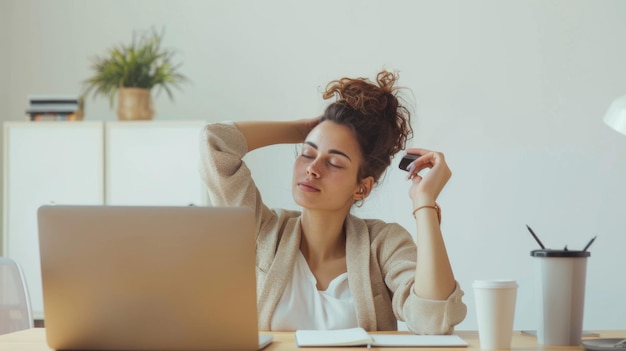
x=380, y=257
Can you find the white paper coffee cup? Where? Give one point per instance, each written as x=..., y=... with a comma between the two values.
x=495, y=311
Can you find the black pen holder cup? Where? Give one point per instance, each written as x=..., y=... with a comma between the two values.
x=560, y=293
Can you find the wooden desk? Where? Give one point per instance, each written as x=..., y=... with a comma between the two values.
x=35, y=340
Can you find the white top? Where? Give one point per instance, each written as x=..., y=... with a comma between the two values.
x=302, y=306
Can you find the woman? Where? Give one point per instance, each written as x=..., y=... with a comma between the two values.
x=323, y=268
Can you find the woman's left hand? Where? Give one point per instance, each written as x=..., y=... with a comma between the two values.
x=430, y=185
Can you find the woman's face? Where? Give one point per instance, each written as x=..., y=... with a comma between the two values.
x=325, y=172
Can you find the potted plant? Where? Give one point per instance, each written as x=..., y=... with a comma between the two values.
x=131, y=71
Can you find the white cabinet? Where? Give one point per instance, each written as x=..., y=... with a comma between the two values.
x=153, y=164
x=46, y=163
x=115, y=163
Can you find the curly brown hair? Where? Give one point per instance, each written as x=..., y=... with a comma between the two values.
x=380, y=123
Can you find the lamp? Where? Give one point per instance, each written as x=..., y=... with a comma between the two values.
x=615, y=117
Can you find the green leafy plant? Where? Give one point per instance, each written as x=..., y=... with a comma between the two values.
x=142, y=64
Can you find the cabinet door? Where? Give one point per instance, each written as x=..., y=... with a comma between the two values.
x=46, y=163
x=153, y=163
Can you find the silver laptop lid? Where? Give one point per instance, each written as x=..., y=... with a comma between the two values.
x=148, y=278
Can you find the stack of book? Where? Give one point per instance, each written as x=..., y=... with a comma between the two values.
x=54, y=108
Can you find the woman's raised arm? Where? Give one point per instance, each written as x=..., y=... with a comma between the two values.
x=264, y=133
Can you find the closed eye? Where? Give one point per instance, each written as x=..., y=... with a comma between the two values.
x=335, y=165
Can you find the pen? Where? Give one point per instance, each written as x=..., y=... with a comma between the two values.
x=589, y=243
x=536, y=238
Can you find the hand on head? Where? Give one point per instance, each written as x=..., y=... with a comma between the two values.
x=306, y=125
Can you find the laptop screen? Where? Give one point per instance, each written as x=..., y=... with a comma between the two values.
x=149, y=278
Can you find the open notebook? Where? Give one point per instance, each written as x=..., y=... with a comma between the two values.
x=149, y=278
x=359, y=337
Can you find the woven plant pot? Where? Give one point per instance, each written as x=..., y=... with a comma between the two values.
x=134, y=104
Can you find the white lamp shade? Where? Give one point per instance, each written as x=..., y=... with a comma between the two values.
x=615, y=117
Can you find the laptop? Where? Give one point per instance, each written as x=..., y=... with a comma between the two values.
x=149, y=278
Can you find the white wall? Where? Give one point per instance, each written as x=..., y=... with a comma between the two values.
x=512, y=91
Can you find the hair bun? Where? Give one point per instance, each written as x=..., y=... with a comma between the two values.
x=381, y=124
x=359, y=94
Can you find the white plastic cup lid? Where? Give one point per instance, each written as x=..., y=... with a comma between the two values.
x=495, y=284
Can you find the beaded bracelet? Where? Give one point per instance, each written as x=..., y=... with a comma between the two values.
x=435, y=207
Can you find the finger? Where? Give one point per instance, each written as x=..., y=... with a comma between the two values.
x=412, y=170
x=424, y=152
x=415, y=178
x=424, y=161
x=415, y=168
x=418, y=151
